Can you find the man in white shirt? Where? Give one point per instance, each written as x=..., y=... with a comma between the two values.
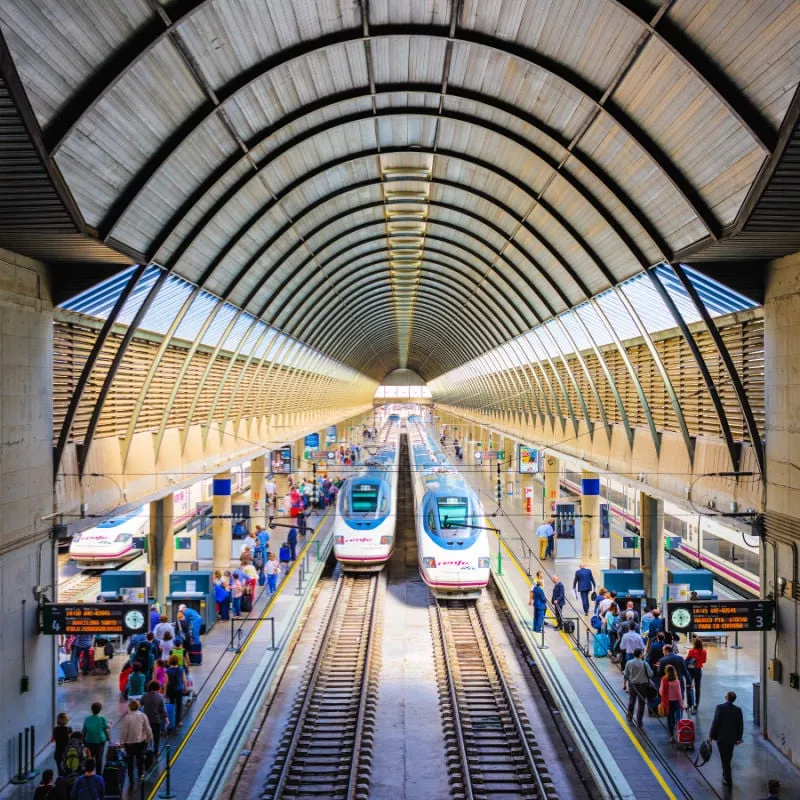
x=631, y=642
x=543, y=534
x=271, y=490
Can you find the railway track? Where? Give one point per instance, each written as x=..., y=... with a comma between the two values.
x=326, y=749
x=78, y=586
x=490, y=747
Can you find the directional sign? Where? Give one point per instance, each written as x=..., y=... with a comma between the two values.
x=95, y=618
x=734, y=615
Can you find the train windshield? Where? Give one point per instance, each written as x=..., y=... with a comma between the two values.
x=364, y=498
x=453, y=512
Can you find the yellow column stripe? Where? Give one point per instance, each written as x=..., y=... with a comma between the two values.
x=236, y=659
x=612, y=707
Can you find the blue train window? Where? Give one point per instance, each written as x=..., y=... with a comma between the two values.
x=364, y=498
x=452, y=510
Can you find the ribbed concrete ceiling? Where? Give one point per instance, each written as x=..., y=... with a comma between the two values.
x=407, y=183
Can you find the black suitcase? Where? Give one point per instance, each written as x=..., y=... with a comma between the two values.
x=196, y=653
x=247, y=604
x=569, y=626
x=114, y=774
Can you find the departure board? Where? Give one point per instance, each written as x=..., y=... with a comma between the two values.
x=734, y=615
x=99, y=619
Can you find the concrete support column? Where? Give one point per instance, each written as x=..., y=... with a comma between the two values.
x=652, y=521
x=258, y=502
x=221, y=527
x=552, y=469
x=161, y=549
x=590, y=517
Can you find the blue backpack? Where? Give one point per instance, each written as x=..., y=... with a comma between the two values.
x=596, y=622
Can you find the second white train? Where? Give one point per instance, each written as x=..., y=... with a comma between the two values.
x=452, y=538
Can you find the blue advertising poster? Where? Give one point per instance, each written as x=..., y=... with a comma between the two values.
x=529, y=460
x=312, y=441
x=282, y=459
x=330, y=435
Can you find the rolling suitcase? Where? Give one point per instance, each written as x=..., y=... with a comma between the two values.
x=69, y=671
x=114, y=773
x=285, y=553
x=196, y=653
x=170, y=715
x=685, y=734
x=247, y=603
x=601, y=645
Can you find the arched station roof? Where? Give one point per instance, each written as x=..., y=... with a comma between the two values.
x=405, y=184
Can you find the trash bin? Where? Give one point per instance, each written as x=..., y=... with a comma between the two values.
x=757, y=703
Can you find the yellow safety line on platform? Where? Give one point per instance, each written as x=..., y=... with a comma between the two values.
x=647, y=760
x=232, y=665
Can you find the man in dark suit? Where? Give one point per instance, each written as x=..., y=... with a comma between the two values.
x=558, y=599
x=727, y=730
x=584, y=583
x=671, y=658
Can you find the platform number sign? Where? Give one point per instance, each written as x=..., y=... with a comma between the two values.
x=725, y=615
x=99, y=619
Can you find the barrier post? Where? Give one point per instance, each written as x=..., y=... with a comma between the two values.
x=272, y=621
x=300, y=579
x=736, y=645
x=167, y=794
x=20, y=776
x=231, y=648
x=317, y=543
x=542, y=645
x=499, y=558
x=32, y=773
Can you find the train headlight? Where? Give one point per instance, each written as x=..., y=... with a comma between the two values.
x=386, y=539
x=483, y=563
x=429, y=563
x=340, y=540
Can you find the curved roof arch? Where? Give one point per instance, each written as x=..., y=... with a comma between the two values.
x=284, y=156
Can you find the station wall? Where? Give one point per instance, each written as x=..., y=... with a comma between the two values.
x=26, y=495
x=780, y=702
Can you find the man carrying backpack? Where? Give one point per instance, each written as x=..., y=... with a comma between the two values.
x=88, y=786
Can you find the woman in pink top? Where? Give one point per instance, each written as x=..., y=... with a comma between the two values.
x=671, y=699
x=160, y=673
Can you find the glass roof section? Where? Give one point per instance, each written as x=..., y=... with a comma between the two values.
x=584, y=321
x=207, y=316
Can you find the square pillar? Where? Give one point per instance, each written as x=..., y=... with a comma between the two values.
x=590, y=517
x=652, y=544
x=221, y=523
x=552, y=482
x=161, y=546
x=258, y=500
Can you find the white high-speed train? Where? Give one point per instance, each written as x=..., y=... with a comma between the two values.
x=366, y=507
x=113, y=541
x=119, y=539
x=452, y=543
x=715, y=544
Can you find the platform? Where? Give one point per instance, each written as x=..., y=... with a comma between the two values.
x=651, y=766
x=230, y=684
